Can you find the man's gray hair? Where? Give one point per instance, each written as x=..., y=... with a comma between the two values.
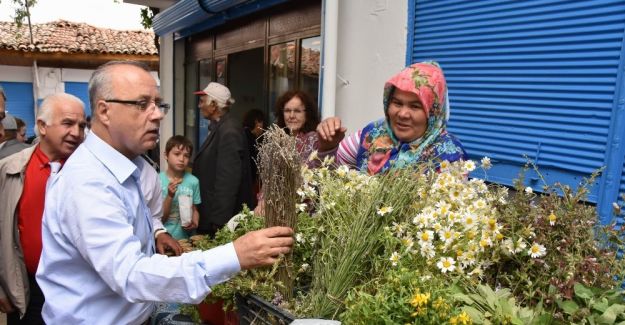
x=100, y=85
x=46, y=109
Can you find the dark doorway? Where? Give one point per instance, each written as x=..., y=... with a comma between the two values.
x=245, y=80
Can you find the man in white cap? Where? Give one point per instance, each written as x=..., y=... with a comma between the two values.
x=222, y=163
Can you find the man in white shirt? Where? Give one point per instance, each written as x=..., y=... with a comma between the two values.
x=98, y=264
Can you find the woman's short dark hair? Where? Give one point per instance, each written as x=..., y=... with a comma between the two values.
x=178, y=141
x=253, y=115
x=312, y=113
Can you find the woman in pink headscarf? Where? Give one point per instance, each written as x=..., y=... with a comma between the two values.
x=414, y=129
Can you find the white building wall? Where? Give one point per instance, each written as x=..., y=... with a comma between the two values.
x=371, y=48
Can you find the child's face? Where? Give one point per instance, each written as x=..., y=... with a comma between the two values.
x=178, y=158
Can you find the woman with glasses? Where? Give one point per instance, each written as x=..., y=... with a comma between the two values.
x=297, y=112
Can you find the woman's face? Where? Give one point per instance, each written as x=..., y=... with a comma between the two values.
x=21, y=134
x=294, y=115
x=407, y=116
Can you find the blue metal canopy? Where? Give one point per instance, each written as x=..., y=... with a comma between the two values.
x=190, y=16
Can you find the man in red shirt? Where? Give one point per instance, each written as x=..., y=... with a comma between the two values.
x=23, y=177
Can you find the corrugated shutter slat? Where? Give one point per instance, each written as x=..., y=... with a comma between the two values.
x=534, y=78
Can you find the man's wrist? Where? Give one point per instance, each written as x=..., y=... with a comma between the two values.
x=159, y=231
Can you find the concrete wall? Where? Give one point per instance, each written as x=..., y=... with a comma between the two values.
x=371, y=48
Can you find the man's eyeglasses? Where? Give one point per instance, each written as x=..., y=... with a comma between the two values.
x=143, y=105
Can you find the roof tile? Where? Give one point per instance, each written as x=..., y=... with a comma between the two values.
x=68, y=37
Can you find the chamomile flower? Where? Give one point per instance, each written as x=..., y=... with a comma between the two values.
x=384, y=210
x=552, y=219
x=537, y=250
x=313, y=156
x=425, y=236
x=446, y=264
x=529, y=190
x=519, y=246
x=397, y=228
x=426, y=249
x=486, y=164
x=299, y=238
x=469, y=166
x=394, y=258
x=469, y=221
x=447, y=235
x=444, y=165
x=301, y=207
x=304, y=267
x=342, y=170
x=408, y=242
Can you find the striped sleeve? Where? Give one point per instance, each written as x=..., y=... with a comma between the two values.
x=347, y=150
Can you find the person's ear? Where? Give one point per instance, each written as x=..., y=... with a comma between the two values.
x=41, y=127
x=102, y=112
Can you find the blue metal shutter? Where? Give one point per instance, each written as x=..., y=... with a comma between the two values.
x=80, y=90
x=535, y=78
x=20, y=103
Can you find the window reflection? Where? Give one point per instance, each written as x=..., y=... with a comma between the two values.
x=281, y=71
x=310, y=60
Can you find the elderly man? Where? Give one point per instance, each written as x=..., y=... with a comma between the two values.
x=222, y=163
x=23, y=177
x=99, y=265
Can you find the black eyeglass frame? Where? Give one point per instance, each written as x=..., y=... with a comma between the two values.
x=143, y=105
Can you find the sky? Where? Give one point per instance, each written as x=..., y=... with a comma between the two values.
x=99, y=13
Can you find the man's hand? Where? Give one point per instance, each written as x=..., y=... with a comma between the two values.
x=164, y=241
x=331, y=132
x=262, y=247
x=6, y=306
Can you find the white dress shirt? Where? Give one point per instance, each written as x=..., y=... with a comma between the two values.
x=97, y=265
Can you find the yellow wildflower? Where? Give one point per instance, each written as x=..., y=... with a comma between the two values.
x=464, y=318
x=552, y=219
x=420, y=299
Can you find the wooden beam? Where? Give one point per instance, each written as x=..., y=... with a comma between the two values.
x=71, y=60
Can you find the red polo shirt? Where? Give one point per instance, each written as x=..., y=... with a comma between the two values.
x=30, y=208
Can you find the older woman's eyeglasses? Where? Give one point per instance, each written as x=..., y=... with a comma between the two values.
x=142, y=105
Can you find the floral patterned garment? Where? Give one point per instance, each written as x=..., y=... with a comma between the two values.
x=379, y=148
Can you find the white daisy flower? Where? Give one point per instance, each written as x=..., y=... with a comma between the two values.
x=304, y=267
x=446, y=264
x=469, y=166
x=444, y=165
x=426, y=249
x=394, y=258
x=529, y=190
x=447, y=235
x=408, y=242
x=313, y=155
x=301, y=207
x=519, y=246
x=425, y=236
x=537, y=250
x=299, y=238
x=486, y=164
x=342, y=170
x=384, y=210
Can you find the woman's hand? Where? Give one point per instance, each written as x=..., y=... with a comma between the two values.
x=331, y=132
